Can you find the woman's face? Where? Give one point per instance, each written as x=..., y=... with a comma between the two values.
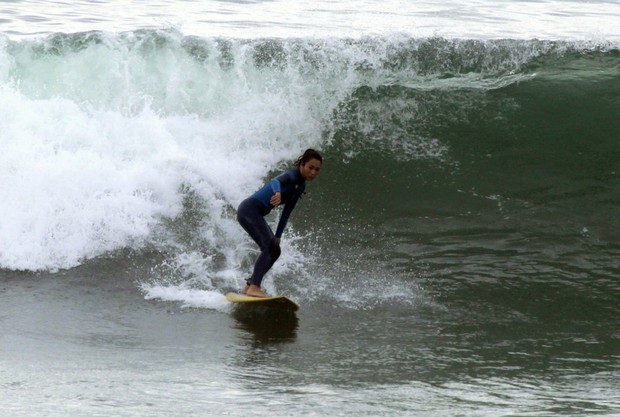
x=310, y=169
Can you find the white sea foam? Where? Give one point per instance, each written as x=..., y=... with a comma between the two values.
x=83, y=174
x=77, y=184
x=188, y=297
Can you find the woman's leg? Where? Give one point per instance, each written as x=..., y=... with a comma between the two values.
x=251, y=219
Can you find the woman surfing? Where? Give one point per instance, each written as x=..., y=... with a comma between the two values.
x=285, y=189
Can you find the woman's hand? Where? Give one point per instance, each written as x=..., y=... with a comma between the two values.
x=276, y=199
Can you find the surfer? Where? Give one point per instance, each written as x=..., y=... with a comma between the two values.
x=284, y=189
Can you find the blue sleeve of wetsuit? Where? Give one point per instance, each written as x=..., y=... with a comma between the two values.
x=275, y=186
x=286, y=212
x=284, y=178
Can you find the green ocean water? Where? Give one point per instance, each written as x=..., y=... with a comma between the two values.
x=456, y=256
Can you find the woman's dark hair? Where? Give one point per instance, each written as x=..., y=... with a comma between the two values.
x=308, y=155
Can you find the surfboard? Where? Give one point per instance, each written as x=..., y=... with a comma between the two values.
x=276, y=301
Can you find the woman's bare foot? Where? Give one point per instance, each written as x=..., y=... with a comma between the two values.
x=254, y=291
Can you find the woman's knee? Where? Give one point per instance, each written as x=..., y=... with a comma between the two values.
x=274, y=249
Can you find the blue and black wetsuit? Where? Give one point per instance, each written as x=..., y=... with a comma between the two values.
x=251, y=215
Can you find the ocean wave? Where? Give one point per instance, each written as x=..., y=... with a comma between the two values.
x=108, y=137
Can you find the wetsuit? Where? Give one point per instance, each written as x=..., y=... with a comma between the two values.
x=251, y=215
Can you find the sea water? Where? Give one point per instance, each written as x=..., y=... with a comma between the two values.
x=458, y=254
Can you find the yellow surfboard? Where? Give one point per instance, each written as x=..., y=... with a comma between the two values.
x=278, y=301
